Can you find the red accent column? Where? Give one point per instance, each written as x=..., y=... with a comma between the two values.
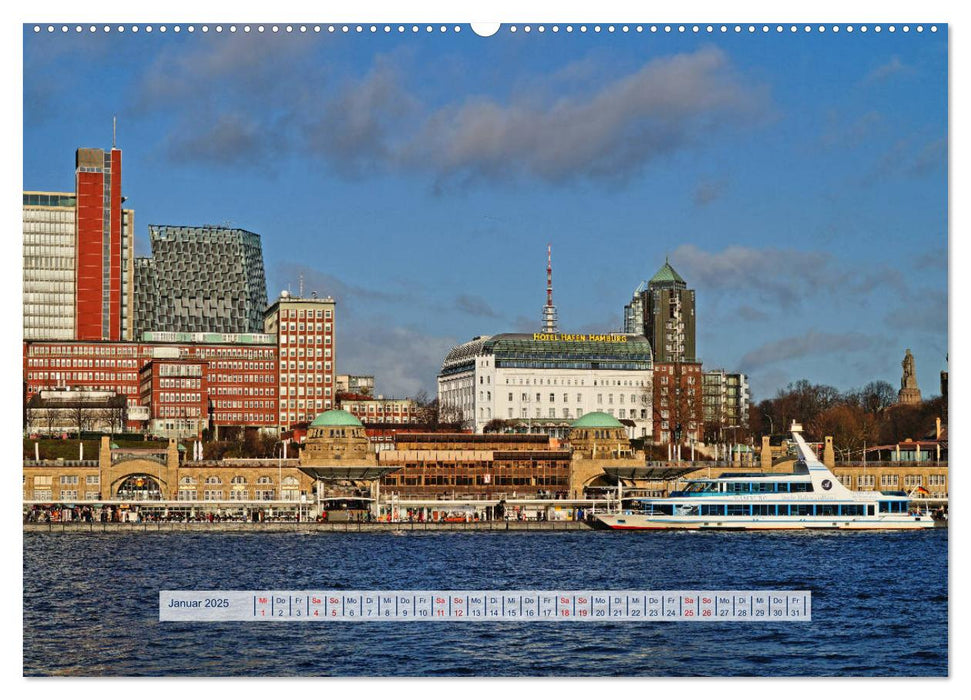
x=114, y=325
x=88, y=221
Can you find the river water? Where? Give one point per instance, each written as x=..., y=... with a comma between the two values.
x=879, y=604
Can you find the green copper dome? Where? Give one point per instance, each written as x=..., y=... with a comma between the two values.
x=335, y=417
x=667, y=274
x=597, y=419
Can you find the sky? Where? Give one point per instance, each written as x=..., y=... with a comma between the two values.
x=798, y=182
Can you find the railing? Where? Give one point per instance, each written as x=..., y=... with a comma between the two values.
x=889, y=464
x=61, y=463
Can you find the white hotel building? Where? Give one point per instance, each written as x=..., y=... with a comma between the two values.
x=545, y=381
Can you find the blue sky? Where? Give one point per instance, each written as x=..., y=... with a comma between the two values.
x=797, y=181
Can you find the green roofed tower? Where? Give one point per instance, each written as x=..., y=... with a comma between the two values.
x=663, y=310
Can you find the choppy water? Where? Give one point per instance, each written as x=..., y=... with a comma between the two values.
x=879, y=604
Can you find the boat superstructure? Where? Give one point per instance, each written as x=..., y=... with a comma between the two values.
x=810, y=497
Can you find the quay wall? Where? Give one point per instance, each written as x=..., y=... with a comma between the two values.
x=306, y=528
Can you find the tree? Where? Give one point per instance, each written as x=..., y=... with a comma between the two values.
x=79, y=417
x=849, y=425
x=498, y=425
x=873, y=397
x=427, y=410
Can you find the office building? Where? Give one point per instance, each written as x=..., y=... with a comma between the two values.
x=201, y=279
x=78, y=252
x=237, y=386
x=305, y=331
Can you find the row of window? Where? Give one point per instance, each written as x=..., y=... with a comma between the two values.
x=110, y=349
x=83, y=363
x=310, y=327
x=305, y=313
x=248, y=418
x=572, y=381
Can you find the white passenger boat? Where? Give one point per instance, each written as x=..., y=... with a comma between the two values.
x=811, y=497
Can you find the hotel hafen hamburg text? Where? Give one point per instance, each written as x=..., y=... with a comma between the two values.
x=548, y=380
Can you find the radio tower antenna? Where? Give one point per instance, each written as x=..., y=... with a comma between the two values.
x=549, y=311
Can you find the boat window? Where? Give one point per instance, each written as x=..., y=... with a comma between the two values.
x=767, y=487
x=800, y=487
x=763, y=509
x=801, y=509
x=712, y=509
x=738, y=509
x=782, y=509
x=869, y=510
x=826, y=509
x=851, y=509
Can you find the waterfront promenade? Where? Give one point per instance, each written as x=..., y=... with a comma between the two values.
x=305, y=528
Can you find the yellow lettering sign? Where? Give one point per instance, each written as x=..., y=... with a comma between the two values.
x=580, y=337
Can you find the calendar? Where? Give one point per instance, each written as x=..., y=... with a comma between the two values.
x=485, y=606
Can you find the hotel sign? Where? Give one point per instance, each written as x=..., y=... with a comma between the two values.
x=581, y=337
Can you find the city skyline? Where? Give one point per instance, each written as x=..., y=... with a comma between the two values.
x=804, y=198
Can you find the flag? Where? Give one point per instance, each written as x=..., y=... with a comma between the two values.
x=922, y=491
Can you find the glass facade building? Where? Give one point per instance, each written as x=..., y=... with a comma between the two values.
x=206, y=279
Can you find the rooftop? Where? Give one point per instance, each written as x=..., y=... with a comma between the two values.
x=597, y=419
x=336, y=417
x=667, y=274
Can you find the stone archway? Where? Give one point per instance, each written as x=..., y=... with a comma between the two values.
x=161, y=477
x=138, y=487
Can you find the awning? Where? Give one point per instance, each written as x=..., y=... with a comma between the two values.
x=350, y=472
x=646, y=472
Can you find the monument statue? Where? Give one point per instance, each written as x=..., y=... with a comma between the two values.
x=909, y=393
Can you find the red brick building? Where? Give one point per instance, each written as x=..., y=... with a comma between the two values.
x=678, y=402
x=238, y=379
x=305, y=332
x=176, y=393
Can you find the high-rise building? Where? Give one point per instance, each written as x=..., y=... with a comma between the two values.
x=100, y=260
x=663, y=310
x=206, y=279
x=78, y=255
x=49, y=248
x=305, y=332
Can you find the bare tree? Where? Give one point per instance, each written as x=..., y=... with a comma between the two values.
x=50, y=419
